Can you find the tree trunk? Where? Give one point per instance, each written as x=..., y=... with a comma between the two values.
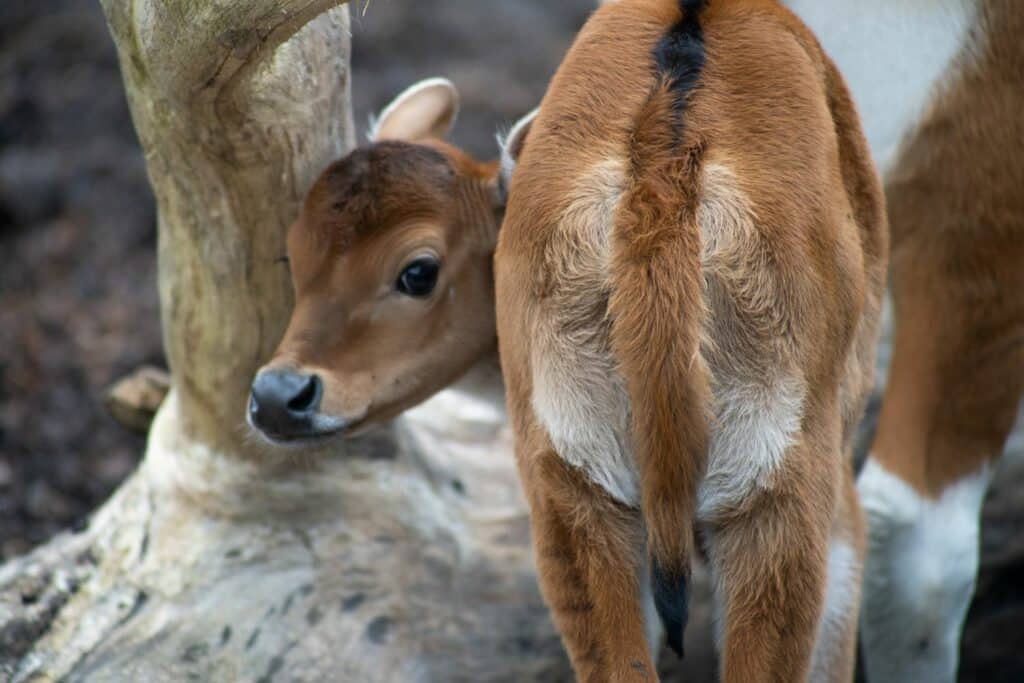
x=238, y=106
x=401, y=556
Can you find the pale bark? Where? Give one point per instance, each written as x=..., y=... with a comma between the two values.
x=405, y=559
x=236, y=116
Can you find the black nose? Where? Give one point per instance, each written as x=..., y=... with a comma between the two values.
x=283, y=404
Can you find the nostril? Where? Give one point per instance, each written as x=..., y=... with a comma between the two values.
x=309, y=395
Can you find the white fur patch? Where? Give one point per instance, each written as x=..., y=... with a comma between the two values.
x=578, y=394
x=893, y=54
x=919, y=575
x=841, y=595
x=755, y=424
x=653, y=627
x=758, y=392
x=583, y=404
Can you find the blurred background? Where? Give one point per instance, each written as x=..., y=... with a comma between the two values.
x=78, y=302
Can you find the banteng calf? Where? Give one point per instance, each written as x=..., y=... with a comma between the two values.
x=391, y=263
x=689, y=279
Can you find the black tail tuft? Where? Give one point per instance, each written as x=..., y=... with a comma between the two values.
x=671, y=598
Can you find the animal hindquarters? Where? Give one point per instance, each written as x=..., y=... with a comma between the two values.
x=597, y=323
x=716, y=310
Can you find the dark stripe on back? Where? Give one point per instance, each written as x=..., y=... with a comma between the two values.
x=679, y=55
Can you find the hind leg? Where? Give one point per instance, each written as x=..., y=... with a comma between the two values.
x=923, y=489
x=950, y=404
x=770, y=556
x=589, y=553
x=957, y=271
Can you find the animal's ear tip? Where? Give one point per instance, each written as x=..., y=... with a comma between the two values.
x=510, y=141
x=436, y=84
x=501, y=136
x=436, y=98
x=440, y=82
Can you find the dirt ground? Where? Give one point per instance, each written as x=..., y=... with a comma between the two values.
x=78, y=302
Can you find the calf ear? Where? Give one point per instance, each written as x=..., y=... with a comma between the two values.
x=425, y=110
x=512, y=146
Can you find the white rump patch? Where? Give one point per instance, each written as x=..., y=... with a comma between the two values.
x=584, y=406
x=578, y=393
x=758, y=391
x=919, y=575
x=755, y=425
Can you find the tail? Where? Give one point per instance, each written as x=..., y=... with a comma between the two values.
x=656, y=309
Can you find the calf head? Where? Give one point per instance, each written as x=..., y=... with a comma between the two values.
x=391, y=261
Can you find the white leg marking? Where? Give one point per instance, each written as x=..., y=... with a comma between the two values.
x=919, y=574
x=717, y=614
x=841, y=595
x=754, y=426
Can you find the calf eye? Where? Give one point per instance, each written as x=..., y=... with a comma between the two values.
x=419, y=277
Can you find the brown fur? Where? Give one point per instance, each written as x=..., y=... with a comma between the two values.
x=795, y=289
x=563, y=506
x=377, y=351
x=656, y=310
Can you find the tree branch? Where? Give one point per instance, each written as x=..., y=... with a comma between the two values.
x=215, y=41
x=284, y=19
